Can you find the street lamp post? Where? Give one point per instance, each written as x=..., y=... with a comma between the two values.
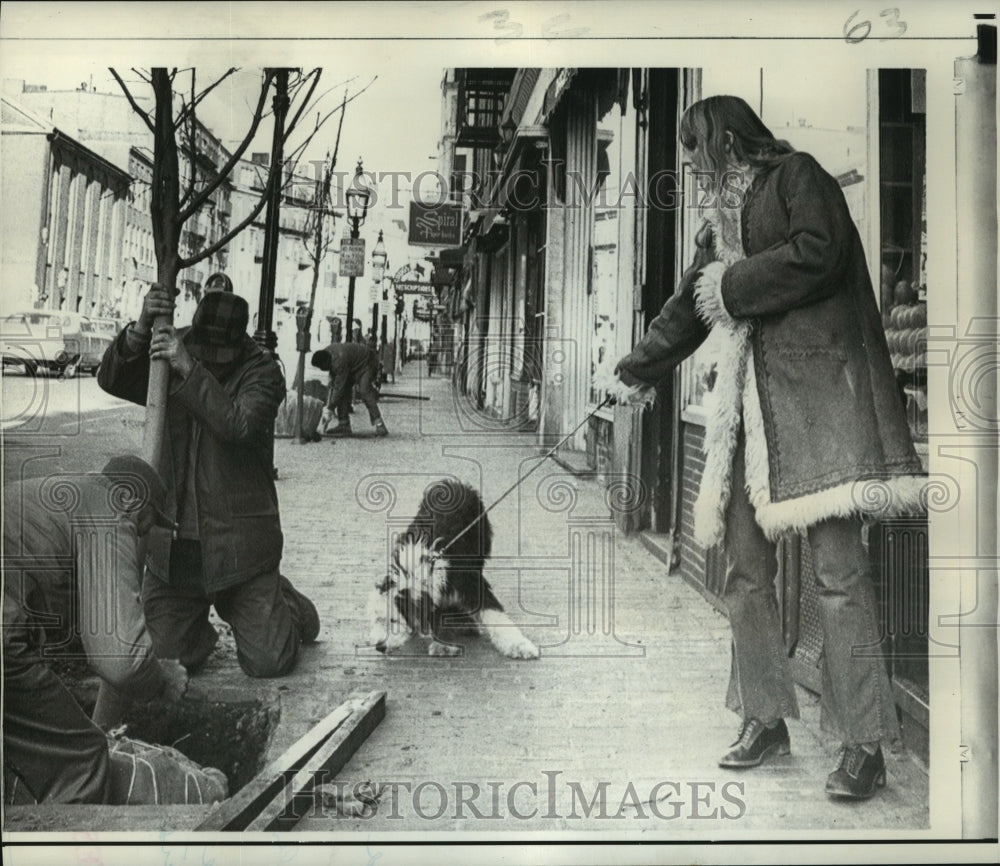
x=358, y=197
x=380, y=260
x=385, y=306
x=388, y=297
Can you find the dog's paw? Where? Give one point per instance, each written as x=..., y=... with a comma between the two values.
x=437, y=648
x=393, y=642
x=522, y=648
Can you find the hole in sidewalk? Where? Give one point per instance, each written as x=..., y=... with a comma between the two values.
x=231, y=734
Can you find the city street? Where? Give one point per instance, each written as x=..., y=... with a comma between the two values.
x=616, y=728
x=739, y=266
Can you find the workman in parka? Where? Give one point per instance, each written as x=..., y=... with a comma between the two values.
x=350, y=365
x=224, y=395
x=71, y=577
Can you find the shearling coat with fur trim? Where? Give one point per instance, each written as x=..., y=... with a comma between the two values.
x=802, y=361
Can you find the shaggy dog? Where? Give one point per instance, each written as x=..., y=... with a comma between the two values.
x=435, y=578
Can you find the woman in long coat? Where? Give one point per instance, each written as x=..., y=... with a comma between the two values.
x=806, y=430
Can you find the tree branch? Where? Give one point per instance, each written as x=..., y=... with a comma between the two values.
x=192, y=144
x=135, y=106
x=315, y=74
x=225, y=239
x=336, y=145
x=263, y=178
x=198, y=200
x=319, y=123
x=204, y=93
x=274, y=177
x=346, y=82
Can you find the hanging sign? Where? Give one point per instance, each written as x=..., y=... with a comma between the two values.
x=435, y=225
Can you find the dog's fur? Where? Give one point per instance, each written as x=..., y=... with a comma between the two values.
x=433, y=584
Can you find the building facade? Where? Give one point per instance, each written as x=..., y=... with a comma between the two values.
x=63, y=240
x=581, y=217
x=107, y=126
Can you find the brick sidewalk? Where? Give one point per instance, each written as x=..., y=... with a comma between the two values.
x=629, y=702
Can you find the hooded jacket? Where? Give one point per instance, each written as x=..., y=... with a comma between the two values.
x=229, y=422
x=802, y=362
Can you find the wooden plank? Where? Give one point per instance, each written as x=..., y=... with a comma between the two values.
x=295, y=800
x=239, y=810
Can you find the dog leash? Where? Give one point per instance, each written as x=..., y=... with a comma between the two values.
x=524, y=477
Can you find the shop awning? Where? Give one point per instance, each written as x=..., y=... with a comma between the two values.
x=611, y=86
x=556, y=90
x=519, y=95
x=522, y=159
x=452, y=257
x=493, y=230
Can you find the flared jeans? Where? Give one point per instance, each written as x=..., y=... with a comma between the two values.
x=857, y=703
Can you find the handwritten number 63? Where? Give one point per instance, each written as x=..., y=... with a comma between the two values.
x=856, y=33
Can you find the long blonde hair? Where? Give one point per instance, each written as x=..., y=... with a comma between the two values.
x=706, y=123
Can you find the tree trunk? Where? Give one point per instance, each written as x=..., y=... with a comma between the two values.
x=319, y=203
x=304, y=338
x=165, y=209
x=112, y=705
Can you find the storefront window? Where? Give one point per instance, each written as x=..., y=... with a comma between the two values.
x=833, y=129
x=605, y=280
x=903, y=191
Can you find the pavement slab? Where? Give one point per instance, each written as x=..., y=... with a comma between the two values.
x=627, y=695
x=615, y=729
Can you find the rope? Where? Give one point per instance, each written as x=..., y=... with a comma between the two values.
x=138, y=761
x=523, y=478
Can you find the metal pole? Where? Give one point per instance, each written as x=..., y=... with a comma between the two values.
x=264, y=335
x=349, y=335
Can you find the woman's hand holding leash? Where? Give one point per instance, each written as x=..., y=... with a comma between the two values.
x=621, y=394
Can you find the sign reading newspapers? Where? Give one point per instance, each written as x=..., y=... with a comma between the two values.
x=414, y=287
x=352, y=257
x=435, y=225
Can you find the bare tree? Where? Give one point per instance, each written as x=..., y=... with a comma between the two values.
x=317, y=244
x=170, y=209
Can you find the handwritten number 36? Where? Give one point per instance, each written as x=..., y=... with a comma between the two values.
x=501, y=21
x=859, y=32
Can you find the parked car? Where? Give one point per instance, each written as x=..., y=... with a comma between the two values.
x=105, y=331
x=54, y=340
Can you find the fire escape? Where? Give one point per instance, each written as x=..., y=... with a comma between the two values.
x=481, y=96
